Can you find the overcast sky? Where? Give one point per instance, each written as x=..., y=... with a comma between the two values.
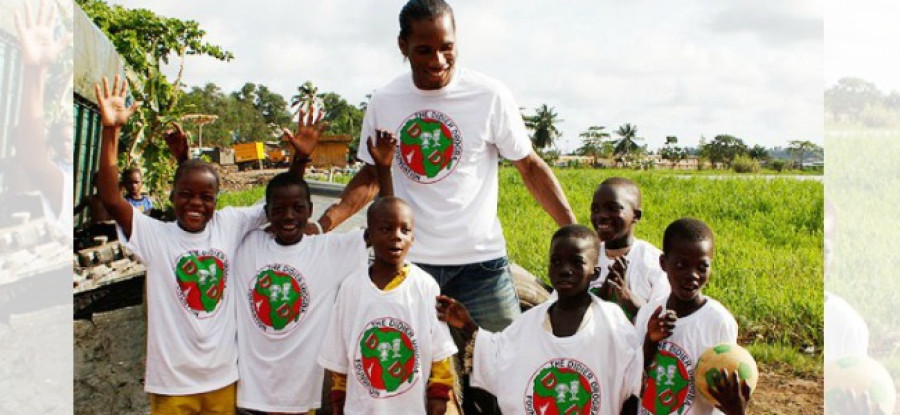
x=687, y=68
x=862, y=40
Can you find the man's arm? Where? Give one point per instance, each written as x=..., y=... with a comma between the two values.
x=543, y=186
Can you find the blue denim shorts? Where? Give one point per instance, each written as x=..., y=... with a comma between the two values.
x=485, y=288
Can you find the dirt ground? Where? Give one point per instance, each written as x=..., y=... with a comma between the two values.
x=782, y=393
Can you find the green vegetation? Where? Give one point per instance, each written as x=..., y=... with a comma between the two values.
x=768, y=265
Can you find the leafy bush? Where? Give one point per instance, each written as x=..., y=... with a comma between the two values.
x=778, y=165
x=745, y=164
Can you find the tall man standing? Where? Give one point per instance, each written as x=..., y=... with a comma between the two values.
x=452, y=125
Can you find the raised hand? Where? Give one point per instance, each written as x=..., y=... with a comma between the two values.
x=382, y=150
x=177, y=141
x=36, y=39
x=661, y=324
x=732, y=393
x=308, y=132
x=113, y=112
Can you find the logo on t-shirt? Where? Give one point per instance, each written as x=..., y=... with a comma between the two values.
x=669, y=386
x=388, y=360
x=563, y=386
x=430, y=146
x=278, y=298
x=200, y=275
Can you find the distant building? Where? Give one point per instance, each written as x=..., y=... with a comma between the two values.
x=332, y=150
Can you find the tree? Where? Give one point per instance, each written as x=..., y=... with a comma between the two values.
x=801, y=149
x=850, y=96
x=723, y=149
x=306, y=96
x=543, y=126
x=626, y=146
x=758, y=152
x=145, y=41
x=342, y=118
x=672, y=152
x=593, y=143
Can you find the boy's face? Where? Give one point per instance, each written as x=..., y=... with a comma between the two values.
x=133, y=184
x=688, y=266
x=431, y=50
x=194, y=199
x=573, y=264
x=390, y=232
x=613, y=213
x=288, y=211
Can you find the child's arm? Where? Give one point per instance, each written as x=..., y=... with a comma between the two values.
x=306, y=138
x=455, y=314
x=382, y=154
x=732, y=393
x=177, y=141
x=113, y=115
x=658, y=329
x=439, y=385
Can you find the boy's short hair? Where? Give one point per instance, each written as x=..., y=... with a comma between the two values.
x=127, y=172
x=577, y=231
x=416, y=10
x=286, y=179
x=629, y=185
x=686, y=230
x=194, y=164
x=382, y=203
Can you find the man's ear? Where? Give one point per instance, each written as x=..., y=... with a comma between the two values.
x=638, y=214
x=367, y=238
x=401, y=43
x=662, y=262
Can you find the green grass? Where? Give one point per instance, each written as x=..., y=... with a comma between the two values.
x=786, y=359
x=241, y=198
x=768, y=265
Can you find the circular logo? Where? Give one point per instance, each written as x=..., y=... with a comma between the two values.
x=430, y=146
x=668, y=387
x=200, y=275
x=563, y=386
x=278, y=298
x=388, y=359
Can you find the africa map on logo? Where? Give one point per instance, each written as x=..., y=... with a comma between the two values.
x=279, y=298
x=389, y=362
x=669, y=388
x=201, y=281
x=563, y=386
x=430, y=146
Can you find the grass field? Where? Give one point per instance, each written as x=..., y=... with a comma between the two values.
x=768, y=265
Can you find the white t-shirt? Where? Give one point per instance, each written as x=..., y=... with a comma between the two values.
x=530, y=370
x=645, y=278
x=190, y=320
x=846, y=334
x=448, y=146
x=285, y=296
x=385, y=342
x=671, y=384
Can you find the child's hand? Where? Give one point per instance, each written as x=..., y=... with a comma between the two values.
x=383, y=150
x=660, y=327
x=113, y=112
x=455, y=314
x=308, y=132
x=437, y=406
x=732, y=393
x=36, y=40
x=177, y=141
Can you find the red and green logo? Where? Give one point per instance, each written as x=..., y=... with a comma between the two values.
x=563, y=387
x=669, y=386
x=430, y=146
x=279, y=298
x=388, y=359
x=201, y=281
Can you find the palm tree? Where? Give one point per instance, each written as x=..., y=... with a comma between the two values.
x=306, y=96
x=543, y=126
x=627, y=142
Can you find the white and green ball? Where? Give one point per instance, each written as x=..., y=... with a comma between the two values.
x=860, y=375
x=730, y=357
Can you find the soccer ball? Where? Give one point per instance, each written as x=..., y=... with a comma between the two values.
x=726, y=356
x=859, y=374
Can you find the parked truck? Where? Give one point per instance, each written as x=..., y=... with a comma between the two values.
x=249, y=155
